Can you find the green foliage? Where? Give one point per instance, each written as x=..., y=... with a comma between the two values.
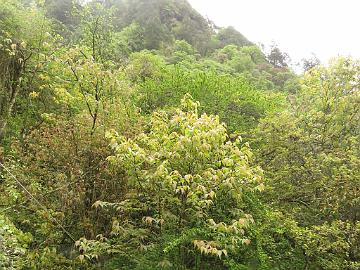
x=13, y=245
x=181, y=174
x=331, y=246
x=23, y=55
x=230, y=35
x=130, y=39
x=316, y=146
x=63, y=11
x=97, y=31
x=178, y=188
x=237, y=103
x=278, y=58
x=144, y=65
x=181, y=52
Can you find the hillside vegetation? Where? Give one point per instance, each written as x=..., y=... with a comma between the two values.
x=136, y=134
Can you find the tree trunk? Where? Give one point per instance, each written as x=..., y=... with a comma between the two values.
x=4, y=118
x=12, y=87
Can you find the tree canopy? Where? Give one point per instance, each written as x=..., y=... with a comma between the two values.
x=139, y=135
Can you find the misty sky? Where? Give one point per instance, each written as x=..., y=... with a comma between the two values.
x=300, y=27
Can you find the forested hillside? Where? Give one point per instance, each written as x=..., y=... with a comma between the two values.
x=136, y=134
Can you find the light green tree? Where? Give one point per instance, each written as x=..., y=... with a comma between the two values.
x=186, y=181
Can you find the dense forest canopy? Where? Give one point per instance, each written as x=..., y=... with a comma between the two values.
x=136, y=134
